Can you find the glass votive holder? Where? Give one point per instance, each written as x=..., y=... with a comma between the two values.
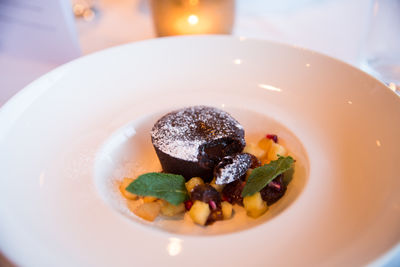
x=381, y=50
x=178, y=17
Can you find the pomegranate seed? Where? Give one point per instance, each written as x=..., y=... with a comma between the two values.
x=274, y=137
x=212, y=205
x=225, y=198
x=188, y=204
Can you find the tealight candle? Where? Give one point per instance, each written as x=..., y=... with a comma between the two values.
x=177, y=17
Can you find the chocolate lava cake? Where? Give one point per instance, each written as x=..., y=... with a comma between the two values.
x=192, y=141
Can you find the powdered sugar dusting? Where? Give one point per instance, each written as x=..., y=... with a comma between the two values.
x=180, y=133
x=237, y=167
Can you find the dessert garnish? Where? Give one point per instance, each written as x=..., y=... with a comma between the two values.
x=207, y=169
x=170, y=187
x=264, y=175
x=231, y=168
x=207, y=202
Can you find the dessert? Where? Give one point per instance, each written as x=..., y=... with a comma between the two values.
x=191, y=141
x=207, y=169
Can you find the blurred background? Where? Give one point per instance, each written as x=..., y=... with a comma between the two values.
x=38, y=35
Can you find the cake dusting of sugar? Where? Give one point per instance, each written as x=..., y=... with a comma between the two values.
x=233, y=171
x=180, y=133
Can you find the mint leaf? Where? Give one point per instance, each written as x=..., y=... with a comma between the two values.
x=288, y=176
x=169, y=187
x=261, y=176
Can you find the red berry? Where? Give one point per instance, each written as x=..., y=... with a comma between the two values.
x=225, y=198
x=274, y=137
x=188, y=204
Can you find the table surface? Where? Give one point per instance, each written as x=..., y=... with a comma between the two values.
x=333, y=27
x=320, y=25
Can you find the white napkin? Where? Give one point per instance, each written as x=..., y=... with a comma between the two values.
x=36, y=36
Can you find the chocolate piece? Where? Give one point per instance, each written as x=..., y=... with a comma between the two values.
x=232, y=192
x=192, y=141
x=215, y=215
x=273, y=191
x=206, y=193
x=232, y=168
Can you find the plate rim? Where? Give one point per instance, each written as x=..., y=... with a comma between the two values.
x=30, y=92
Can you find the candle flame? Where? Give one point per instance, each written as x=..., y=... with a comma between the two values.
x=193, y=19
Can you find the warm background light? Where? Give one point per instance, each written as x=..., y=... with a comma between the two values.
x=176, y=17
x=193, y=19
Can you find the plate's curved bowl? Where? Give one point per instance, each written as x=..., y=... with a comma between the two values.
x=348, y=212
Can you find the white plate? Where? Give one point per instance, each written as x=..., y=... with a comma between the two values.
x=68, y=135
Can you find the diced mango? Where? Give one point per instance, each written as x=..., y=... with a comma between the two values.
x=265, y=144
x=169, y=209
x=226, y=210
x=217, y=187
x=255, y=206
x=149, y=199
x=147, y=211
x=275, y=151
x=199, y=212
x=125, y=193
x=265, y=160
x=254, y=150
x=192, y=183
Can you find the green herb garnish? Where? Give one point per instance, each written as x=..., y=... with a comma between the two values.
x=263, y=175
x=170, y=187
